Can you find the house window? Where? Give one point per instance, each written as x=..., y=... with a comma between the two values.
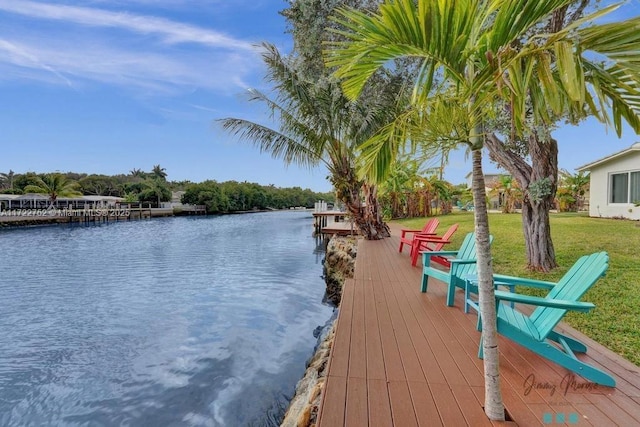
x=625, y=187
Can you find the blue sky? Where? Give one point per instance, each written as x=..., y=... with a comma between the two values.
x=106, y=86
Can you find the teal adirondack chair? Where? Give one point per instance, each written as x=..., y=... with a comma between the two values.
x=463, y=264
x=536, y=331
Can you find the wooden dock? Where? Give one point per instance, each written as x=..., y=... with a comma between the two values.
x=331, y=222
x=341, y=229
x=403, y=358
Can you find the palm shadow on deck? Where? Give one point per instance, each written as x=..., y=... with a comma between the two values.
x=404, y=358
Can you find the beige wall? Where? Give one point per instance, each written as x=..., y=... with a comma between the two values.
x=599, y=205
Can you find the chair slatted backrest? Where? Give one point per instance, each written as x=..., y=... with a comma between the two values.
x=446, y=236
x=468, y=248
x=436, y=246
x=573, y=285
x=431, y=225
x=468, y=251
x=433, y=246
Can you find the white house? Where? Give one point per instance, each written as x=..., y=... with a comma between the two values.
x=615, y=184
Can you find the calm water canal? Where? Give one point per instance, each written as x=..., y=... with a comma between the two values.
x=169, y=322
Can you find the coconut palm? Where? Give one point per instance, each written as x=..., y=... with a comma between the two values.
x=318, y=126
x=135, y=172
x=54, y=185
x=6, y=179
x=159, y=172
x=155, y=188
x=476, y=50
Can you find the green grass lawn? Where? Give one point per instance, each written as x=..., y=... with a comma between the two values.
x=615, y=322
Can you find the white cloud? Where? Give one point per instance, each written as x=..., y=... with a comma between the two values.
x=112, y=65
x=170, y=31
x=154, y=54
x=20, y=56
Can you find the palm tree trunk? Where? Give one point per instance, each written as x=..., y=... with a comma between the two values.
x=493, y=404
x=373, y=213
x=366, y=216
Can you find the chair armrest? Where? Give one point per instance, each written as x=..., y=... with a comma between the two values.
x=463, y=261
x=430, y=238
x=512, y=280
x=544, y=302
x=439, y=253
x=423, y=235
x=408, y=230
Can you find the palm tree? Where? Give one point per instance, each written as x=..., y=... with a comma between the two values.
x=54, y=185
x=135, y=172
x=159, y=172
x=403, y=187
x=156, y=188
x=318, y=125
x=572, y=188
x=508, y=192
x=473, y=56
x=7, y=179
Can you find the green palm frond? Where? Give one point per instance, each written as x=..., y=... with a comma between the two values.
x=270, y=141
x=477, y=51
x=619, y=42
x=513, y=18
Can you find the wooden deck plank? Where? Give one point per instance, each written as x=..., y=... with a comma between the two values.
x=356, y=413
x=402, y=357
x=591, y=414
x=408, y=355
x=617, y=415
x=373, y=342
x=447, y=405
x=390, y=351
x=424, y=405
x=339, y=359
x=473, y=413
x=379, y=403
x=334, y=399
x=419, y=334
x=357, y=352
x=401, y=406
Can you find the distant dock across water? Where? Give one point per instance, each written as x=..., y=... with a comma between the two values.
x=329, y=222
x=92, y=214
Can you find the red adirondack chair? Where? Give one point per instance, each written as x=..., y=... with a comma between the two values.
x=408, y=235
x=432, y=243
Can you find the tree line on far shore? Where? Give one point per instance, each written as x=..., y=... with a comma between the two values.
x=153, y=187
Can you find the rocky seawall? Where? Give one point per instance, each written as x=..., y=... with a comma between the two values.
x=338, y=266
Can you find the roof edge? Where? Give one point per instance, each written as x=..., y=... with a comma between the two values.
x=588, y=166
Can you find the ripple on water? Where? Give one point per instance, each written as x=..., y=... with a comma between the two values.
x=179, y=321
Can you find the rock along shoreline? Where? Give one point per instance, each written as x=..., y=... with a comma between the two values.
x=339, y=264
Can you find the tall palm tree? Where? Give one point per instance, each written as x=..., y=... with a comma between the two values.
x=54, y=185
x=159, y=172
x=135, y=172
x=7, y=179
x=318, y=125
x=474, y=55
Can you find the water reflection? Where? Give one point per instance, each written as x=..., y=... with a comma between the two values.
x=179, y=321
